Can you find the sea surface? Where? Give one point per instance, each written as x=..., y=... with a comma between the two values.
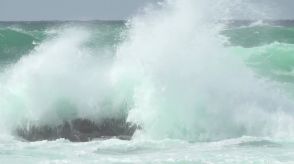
x=198, y=90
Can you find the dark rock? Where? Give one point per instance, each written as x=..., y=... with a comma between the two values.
x=79, y=130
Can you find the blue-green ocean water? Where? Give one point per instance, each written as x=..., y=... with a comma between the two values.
x=200, y=92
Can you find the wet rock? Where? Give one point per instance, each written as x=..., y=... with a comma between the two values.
x=79, y=130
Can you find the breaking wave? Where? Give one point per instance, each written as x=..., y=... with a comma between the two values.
x=170, y=74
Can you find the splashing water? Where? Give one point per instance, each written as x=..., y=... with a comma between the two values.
x=172, y=70
x=189, y=86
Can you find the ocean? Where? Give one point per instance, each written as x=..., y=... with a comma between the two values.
x=173, y=85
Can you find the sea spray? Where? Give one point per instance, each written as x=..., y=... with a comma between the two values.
x=200, y=81
x=171, y=76
x=59, y=80
x=187, y=85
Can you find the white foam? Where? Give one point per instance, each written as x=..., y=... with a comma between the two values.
x=172, y=72
x=186, y=84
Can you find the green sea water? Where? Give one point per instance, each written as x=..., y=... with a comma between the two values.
x=265, y=48
x=199, y=93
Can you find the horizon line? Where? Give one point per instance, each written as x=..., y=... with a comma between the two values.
x=120, y=20
x=66, y=20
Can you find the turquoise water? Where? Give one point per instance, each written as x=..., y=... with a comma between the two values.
x=199, y=90
x=242, y=150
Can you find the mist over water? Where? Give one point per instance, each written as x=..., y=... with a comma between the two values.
x=175, y=70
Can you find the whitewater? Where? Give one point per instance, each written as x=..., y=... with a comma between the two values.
x=180, y=82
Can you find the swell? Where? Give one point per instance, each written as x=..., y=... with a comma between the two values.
x=273, y=60
x=18, y=39
x=259, y=35
x=13, y=44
